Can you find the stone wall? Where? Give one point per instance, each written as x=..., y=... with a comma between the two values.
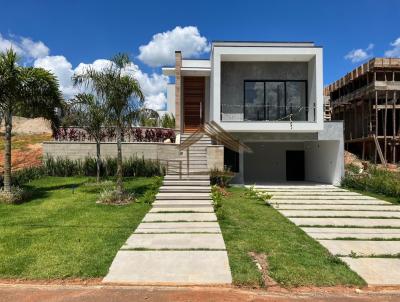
x=80, y=150
x=215, y=157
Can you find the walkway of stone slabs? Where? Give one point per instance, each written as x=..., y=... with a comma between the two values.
x=363, y=231
x=178, y=242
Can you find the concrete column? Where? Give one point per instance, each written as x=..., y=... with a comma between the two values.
x=178, y=89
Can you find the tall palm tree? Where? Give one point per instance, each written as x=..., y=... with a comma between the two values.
x=91, y=114
x=122, y=96
x=32, y=92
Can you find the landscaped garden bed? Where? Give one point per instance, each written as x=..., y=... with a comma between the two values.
x=60, y=232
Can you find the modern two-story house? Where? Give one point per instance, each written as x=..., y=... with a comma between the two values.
x=270, y=97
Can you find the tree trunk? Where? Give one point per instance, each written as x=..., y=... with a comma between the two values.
x=119, y=161
x=98, y=161
x=7, y=150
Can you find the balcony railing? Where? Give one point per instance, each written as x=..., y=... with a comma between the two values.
x=267, y=113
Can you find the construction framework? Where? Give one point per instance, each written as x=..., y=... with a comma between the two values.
x=367, y=100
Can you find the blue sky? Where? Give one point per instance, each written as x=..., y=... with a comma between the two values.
x=74, y=32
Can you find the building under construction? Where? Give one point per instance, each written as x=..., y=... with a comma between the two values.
x=367, y=100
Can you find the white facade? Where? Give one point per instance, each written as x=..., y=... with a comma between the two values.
x=231, y=65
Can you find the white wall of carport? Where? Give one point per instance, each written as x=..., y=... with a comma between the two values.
x=322, y=162
x=267, y=163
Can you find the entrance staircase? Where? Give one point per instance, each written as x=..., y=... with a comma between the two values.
x=193, y=159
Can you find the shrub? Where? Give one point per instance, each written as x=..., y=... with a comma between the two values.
x=64, y=167
x=263, y=196
x=16, y=195
x=216, y=195
x=111, y=196
x=221, y=178
x=374, y=180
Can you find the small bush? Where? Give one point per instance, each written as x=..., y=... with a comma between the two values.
x=251, y=192
x=16, y=195
x=113, y=197
x=374, y=180
x=221, y=178
x=216, y=195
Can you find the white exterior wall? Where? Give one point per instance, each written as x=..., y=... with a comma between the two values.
x=312, y=55
x=171, y=99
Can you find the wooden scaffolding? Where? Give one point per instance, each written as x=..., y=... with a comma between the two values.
x=367, y=100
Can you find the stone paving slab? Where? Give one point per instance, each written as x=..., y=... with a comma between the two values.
x=185, y=196
x=203, y=209
x=170, y=267
x=341, y=207
x=360, y=222
x=178, y=227
x=319, y=193
x=152, y=217
x=376, y=271
x=320, y=201
x=179, y=203
x=175, y=241
x=361, y=247
x=358, y=233
x=333, y=213
x=323, y=197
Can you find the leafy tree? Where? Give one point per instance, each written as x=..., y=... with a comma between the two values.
x=90, y=113
x=167, y=121
x=30, y=91
x=122, y=96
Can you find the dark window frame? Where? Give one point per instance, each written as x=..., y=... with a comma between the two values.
x=285, y=94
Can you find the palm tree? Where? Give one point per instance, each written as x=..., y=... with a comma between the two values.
x=90, y=113
x=122, y=97
x=32, y=92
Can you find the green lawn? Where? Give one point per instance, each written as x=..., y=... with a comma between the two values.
x=62, y=233
x=294, y=258
x=391, y=199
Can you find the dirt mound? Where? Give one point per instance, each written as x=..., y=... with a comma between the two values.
x=352, y=159
x=23, y=125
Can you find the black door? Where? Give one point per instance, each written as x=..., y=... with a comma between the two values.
x=295, y=165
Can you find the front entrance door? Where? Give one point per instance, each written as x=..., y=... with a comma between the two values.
x=193, y=103
x=295, y=165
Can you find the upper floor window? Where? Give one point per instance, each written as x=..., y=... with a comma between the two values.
x=275, y=100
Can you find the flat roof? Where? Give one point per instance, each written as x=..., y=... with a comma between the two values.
x=264, y=43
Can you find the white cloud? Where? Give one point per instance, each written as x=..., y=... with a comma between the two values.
x=153, y=86
x=360, y=54
x=160, y=50
x=395, y=51
x=25, y=47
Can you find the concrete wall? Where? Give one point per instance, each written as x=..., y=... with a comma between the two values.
x=267, y=163
x=171, y=99
x=233, y=75
x=79, y=150
x=321, y=161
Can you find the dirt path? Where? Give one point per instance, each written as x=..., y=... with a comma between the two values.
x=99, y=293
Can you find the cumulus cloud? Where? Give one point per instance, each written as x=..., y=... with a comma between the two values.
x=160, y=50
x=395, y=50
x=153, y=86
x=360, y=54
x=25, y=47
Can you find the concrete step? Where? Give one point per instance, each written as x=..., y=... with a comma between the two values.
x=155, y=267
x=322, y=193
x=194, y=209
x=322, y=197
x=333, y=213
x=162, y=203
x=175, y=241
x=185, y=189
x=186, y=182
x=357, y=222
x=340, y=207
x=185, y=196
x=357, y=233
x=187, y=177
x=170, y=217
x=178, y=227
x=361, y=247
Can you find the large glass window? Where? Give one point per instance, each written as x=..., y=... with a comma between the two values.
x=275, y=100
x=254, y=101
